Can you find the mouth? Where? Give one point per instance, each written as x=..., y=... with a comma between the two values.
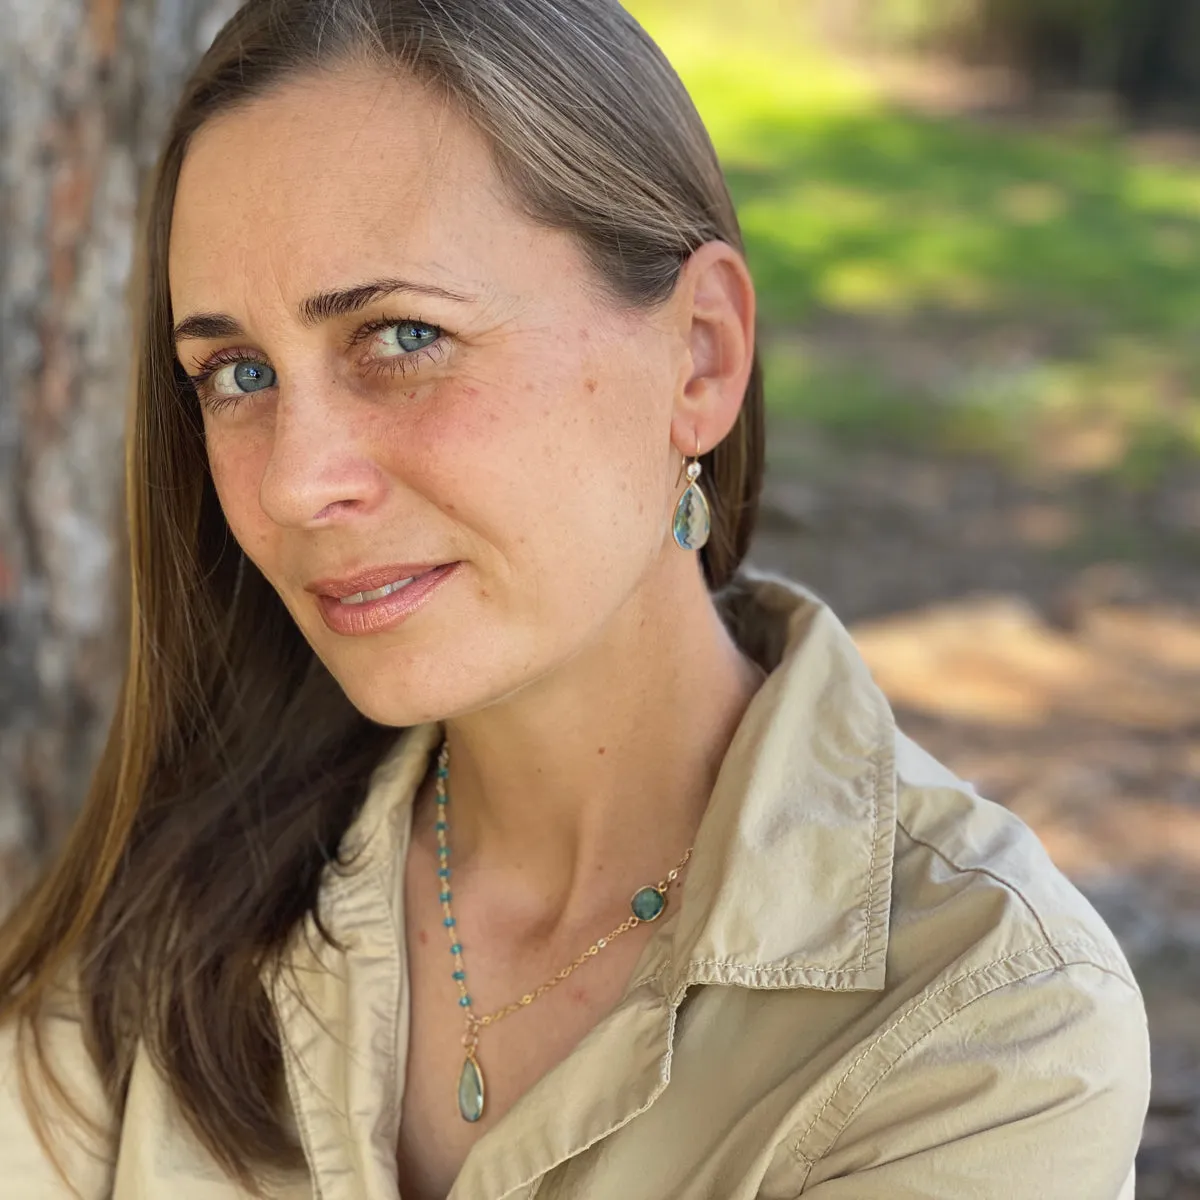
x=378, y=599
x=376, y=593
x=372, y=580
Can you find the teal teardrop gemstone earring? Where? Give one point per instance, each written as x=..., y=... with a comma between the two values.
x=693, y=520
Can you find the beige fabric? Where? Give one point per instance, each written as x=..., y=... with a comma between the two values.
x=874, y=985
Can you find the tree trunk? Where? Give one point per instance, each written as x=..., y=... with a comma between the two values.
x=85, y=90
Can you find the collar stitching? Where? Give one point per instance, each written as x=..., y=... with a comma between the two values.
x=877, y=775
x=913, y=1008
x=773, y=965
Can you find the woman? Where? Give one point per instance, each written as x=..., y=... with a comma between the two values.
x=445, y=455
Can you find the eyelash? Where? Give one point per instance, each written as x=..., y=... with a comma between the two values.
x=397, y=364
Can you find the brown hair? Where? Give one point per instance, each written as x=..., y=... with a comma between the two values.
x=235, y=764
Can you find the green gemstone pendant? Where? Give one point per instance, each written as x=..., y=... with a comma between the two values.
x=648, y=904
x=693, y=519
x=470, y=1090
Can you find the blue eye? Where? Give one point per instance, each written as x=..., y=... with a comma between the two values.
x=219, y=385
x=252, y=376
x=409, y=336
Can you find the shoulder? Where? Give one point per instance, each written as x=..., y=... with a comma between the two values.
x=984, y=870
x=1011, y=1049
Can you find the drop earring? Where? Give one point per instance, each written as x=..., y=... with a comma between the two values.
x=693, y=520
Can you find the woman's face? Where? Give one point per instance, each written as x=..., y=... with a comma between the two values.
x=407, y=374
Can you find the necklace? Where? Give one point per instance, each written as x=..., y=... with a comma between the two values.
x=647, y=904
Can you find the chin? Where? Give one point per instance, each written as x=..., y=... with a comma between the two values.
x=388, y=705
x=397, y=690
x=402, y=684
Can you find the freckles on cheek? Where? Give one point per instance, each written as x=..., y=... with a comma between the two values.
x=237, y=471
x=478, y=418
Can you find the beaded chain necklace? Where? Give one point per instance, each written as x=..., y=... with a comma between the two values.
x=647, y=904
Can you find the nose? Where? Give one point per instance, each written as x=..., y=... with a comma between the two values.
x=320, y=469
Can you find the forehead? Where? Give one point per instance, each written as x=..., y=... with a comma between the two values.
x=310, y=184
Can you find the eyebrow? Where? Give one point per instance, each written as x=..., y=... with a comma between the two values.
x=324, y=306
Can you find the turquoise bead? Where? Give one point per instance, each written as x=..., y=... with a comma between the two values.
x=464, y=1002
x=445, y=897
x=648, y=904
x=456, y=949
x=444, y=872
x=441, y=826
x=449, y=922
x=460, y=974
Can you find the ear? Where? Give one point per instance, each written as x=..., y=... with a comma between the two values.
x=716, y=312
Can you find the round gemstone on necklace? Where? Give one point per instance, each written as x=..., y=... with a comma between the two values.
x=648, y=904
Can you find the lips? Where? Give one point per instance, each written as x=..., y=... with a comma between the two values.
x=367, y=610
x=370, y=580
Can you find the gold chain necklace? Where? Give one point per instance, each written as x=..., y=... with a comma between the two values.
x=647, y=904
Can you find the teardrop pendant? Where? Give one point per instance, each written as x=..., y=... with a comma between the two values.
x=693, y=521
x=470, y=1090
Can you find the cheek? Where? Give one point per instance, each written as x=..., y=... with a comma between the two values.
x=237, y=464
x=562, y=471
x=496, y=459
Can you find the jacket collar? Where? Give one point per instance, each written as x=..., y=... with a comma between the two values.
x=790, y=880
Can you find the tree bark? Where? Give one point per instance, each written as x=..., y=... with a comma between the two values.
x=86, y=87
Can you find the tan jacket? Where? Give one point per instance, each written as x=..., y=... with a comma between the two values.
x=874, y=985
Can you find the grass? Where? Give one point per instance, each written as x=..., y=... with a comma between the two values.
x=944, y=283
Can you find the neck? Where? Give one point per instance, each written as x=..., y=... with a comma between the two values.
x=592, y=781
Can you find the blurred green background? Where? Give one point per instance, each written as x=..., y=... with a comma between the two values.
x=940, y=280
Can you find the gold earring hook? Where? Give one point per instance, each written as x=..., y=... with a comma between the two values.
x=684, y=464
